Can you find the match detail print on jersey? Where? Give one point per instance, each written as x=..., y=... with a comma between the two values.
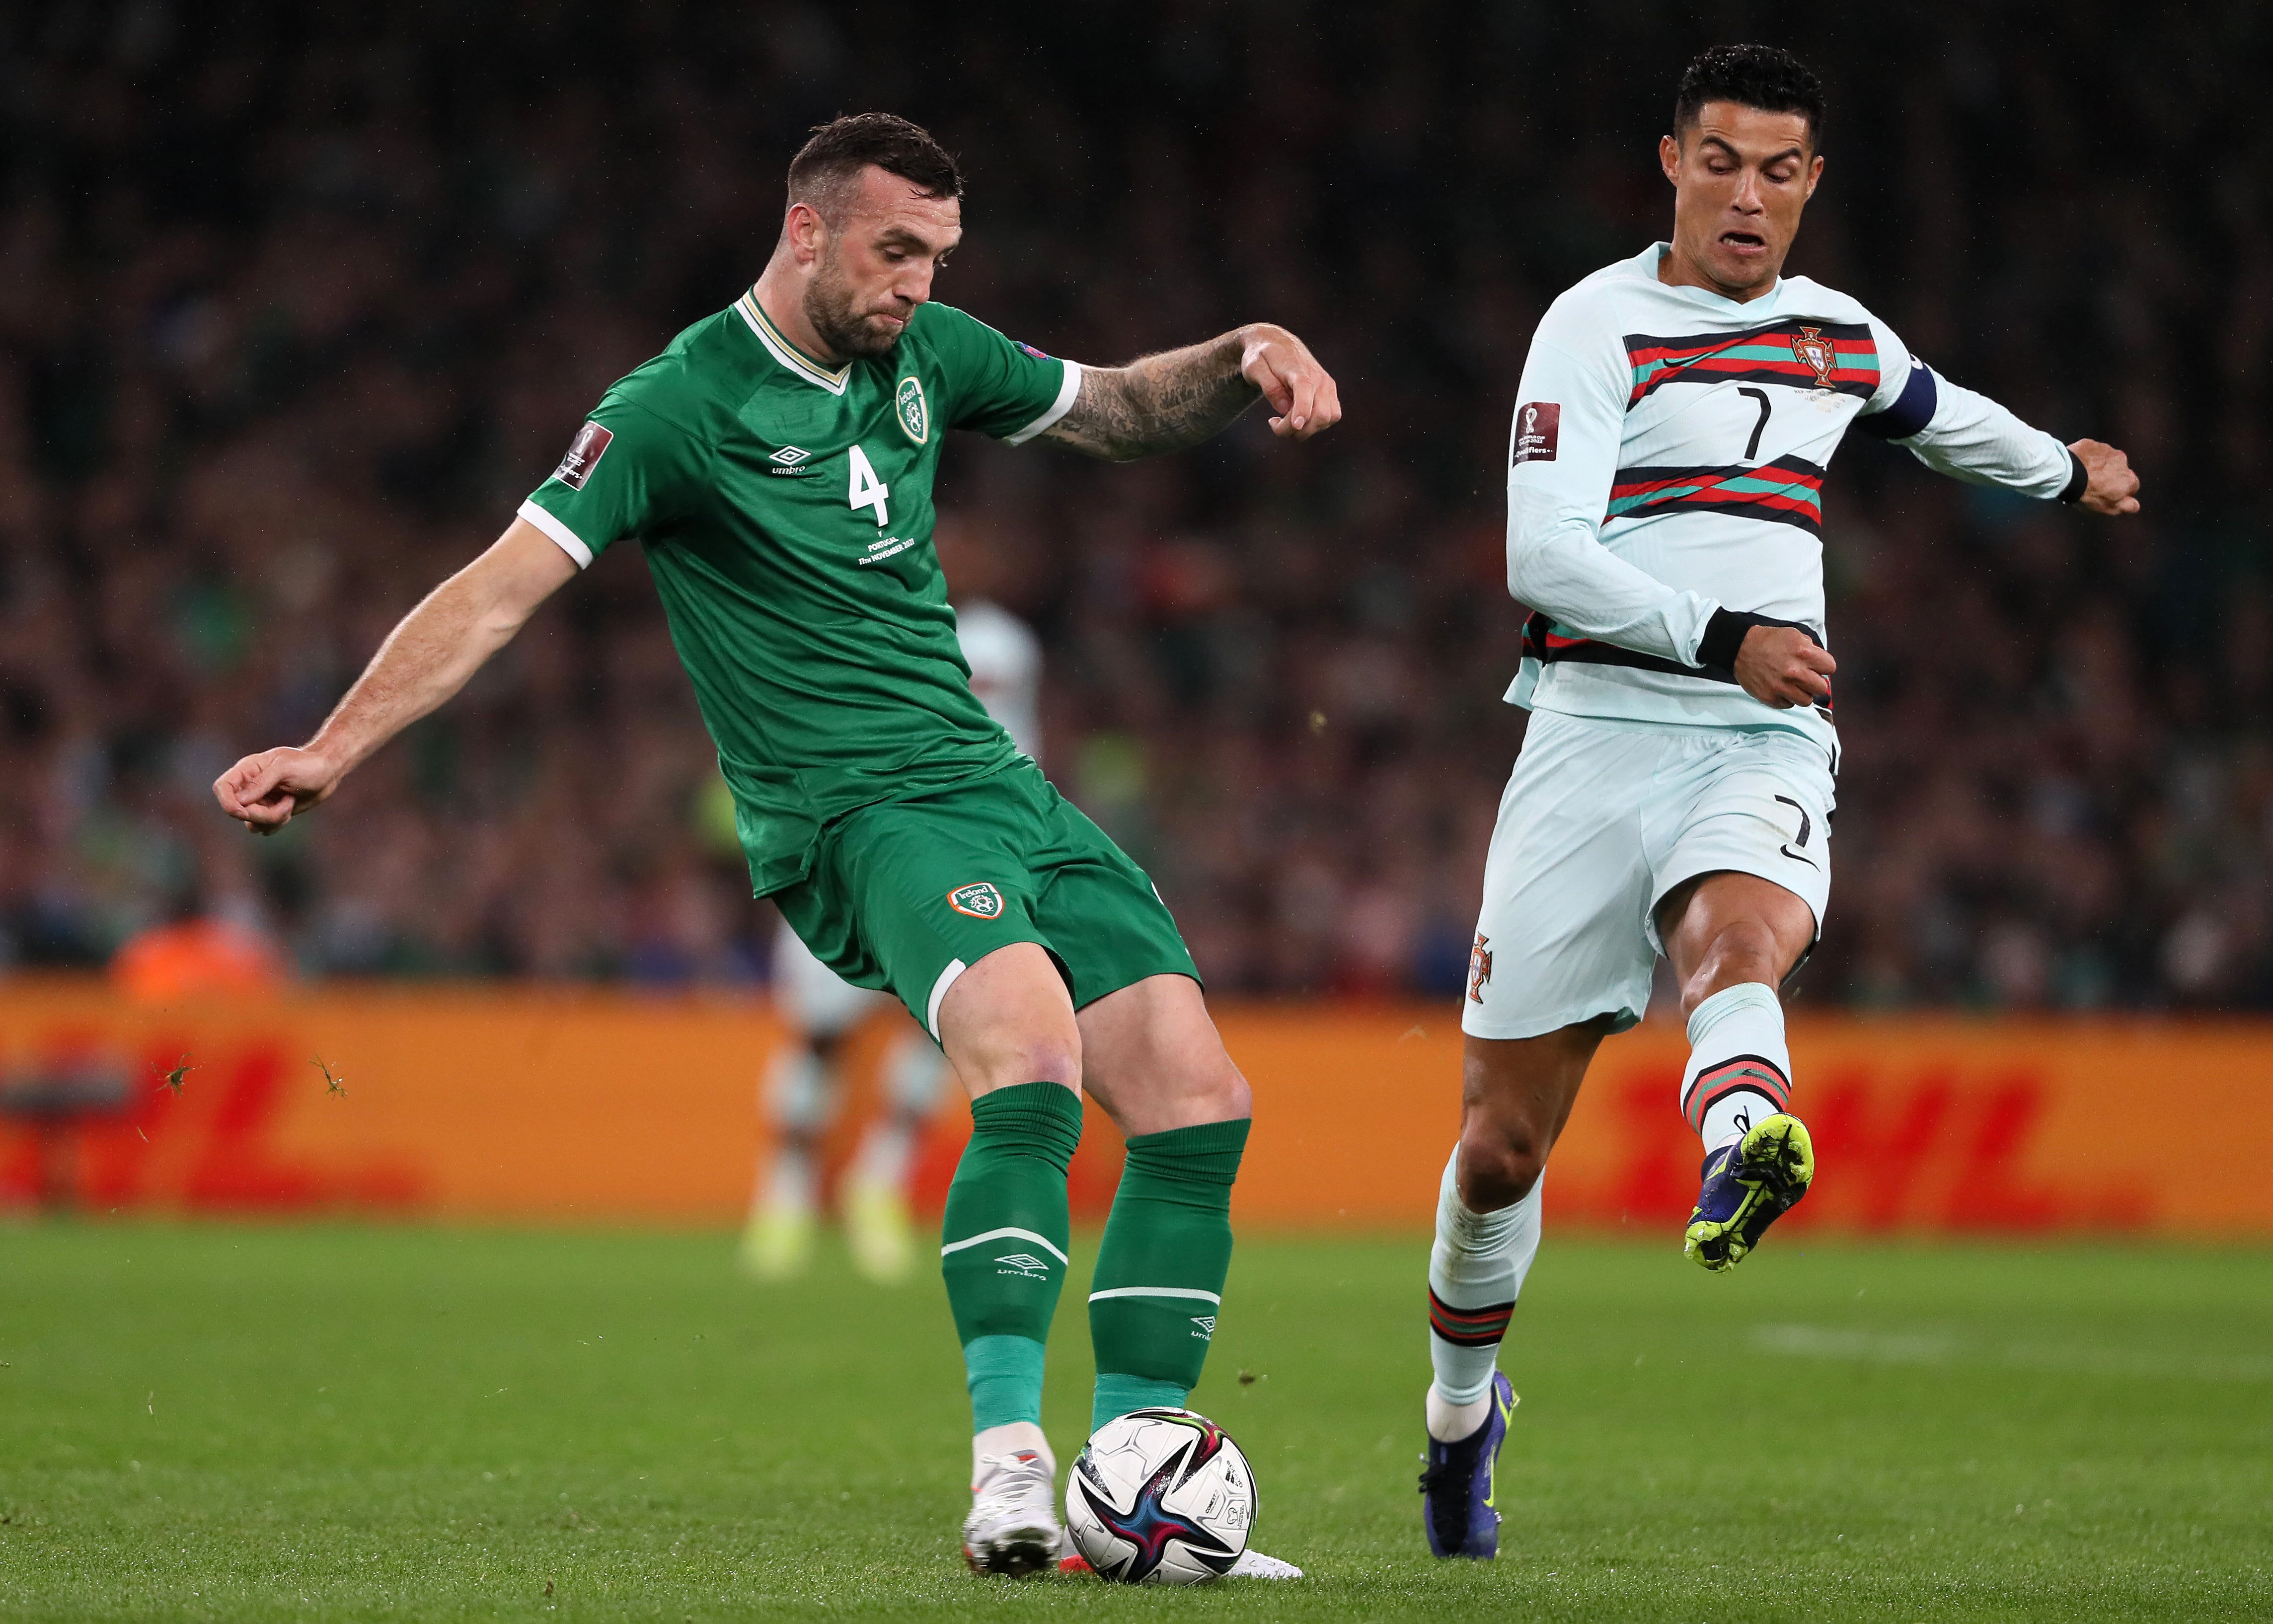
x=1820, y=354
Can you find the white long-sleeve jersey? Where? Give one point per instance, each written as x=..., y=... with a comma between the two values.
x=1665, y=476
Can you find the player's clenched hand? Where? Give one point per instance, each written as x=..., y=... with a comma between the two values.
x=262, y=791
x=1782, y=666
x=1300, y=390
x=2110, y=486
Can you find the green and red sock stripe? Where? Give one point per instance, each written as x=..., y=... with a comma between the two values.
x=1469, y=1327
x=1743, y=1073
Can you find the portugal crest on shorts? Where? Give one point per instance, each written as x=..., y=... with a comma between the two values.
x=1480, y=960
x=981, y=901
x=914, y=414
x=1816, y=353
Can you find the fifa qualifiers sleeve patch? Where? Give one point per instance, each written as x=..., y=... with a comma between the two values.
x=1538, y=427
x=1030, y=351
x=584, y=454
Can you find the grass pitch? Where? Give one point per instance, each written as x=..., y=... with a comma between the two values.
x=248, y=1423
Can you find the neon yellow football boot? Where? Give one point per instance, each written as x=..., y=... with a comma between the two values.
x=1748, y=1186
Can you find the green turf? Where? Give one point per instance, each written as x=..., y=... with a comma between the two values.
x=254, y=1423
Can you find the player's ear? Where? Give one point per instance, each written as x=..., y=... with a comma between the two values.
x=806, y=231
x=1669, y=158
x=1814, y=175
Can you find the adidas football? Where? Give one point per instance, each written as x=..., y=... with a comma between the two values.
x=1160, y=1497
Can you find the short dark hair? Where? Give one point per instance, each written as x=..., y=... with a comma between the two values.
x=844, y=146
x=1755, y=76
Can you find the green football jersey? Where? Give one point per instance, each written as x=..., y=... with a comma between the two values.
x=787, y=511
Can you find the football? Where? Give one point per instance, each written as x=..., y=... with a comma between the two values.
x=1160, y=1497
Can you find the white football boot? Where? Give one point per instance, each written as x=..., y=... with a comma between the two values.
x=1250, y=1565
x=1013, y=1527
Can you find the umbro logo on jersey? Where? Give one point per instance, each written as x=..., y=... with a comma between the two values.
x=791, y=459
x=1207, y=1323
x=1025, y=1265
x=1538, y=430
x=981, y=901
x=584, y=454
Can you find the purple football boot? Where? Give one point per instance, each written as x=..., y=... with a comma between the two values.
x=1458, y=1499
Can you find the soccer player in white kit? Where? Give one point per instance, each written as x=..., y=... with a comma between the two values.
x=1675, y=790
x=805, y=1086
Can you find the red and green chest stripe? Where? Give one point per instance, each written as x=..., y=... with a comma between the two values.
x=1805, y=354
x=1788, y=491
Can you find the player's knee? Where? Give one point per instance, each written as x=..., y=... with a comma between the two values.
x=1011, y=1053
x=1225, y=1097
x=1498, y=1164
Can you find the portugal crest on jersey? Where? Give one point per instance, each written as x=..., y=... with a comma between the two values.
x=1815, y=352
x=914, y=414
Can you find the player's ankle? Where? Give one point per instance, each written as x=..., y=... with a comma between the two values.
x=1010, y=1438
x=1449, y=1422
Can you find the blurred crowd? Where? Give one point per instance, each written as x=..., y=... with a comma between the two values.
x=297, y=301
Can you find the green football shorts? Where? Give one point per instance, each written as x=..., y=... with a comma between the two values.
x=908, y=894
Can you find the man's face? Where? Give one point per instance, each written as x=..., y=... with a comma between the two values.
x=1741, y=177
x=876, y=261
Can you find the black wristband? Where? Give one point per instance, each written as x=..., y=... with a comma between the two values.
x=1724, y=634
x=2079, y=479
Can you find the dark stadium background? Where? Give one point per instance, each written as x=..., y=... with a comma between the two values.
x=296, y=302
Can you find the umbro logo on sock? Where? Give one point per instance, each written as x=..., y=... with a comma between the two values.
x=1025, y=1265
x=1207, y=1323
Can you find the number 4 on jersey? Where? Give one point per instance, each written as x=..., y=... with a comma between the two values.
x=867, y=489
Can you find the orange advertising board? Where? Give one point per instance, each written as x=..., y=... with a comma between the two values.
x=533, y=1106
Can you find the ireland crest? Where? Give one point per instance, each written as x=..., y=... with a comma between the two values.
x=914, y=414
x=981, y=901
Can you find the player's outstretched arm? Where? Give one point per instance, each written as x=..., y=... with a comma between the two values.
x=438, y=647
x=1180, y=397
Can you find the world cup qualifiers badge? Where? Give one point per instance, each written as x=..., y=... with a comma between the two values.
x=1815, y=352
x=1538, y=426
x=584, y=454
x=915, y=417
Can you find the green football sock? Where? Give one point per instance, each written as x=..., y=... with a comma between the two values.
x=1004, y=1244
x=1159, y=1269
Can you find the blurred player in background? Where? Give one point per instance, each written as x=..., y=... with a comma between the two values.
x=805, y=1086
x=1675, y=790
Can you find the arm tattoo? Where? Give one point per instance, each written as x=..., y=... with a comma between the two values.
x=1160, y=403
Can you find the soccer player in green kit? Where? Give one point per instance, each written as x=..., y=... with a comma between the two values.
x=776, y=463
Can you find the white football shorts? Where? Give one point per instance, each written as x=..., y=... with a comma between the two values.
x=1597, y=822
x=813, y=998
